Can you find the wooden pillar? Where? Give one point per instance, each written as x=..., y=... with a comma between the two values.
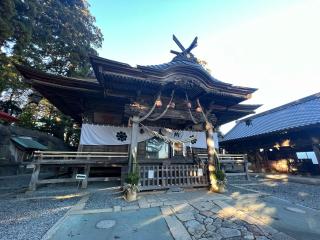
x=124, y=174
x=74, y=172
x=75, y=169
x=211, y=154
x=35, y=174
x=316, y=150
x=134, y=144
x=246, y=166
x=86, y=172
x=34, y=178
x=259, y=162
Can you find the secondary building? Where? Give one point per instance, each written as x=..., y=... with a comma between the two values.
x=283, y=139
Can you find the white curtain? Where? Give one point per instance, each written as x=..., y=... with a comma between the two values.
x=92, y=134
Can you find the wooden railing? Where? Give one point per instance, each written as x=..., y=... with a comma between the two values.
x=75, y=160
x=230, y=159
x=166, y=176
x=54, y=157
x=151, y=176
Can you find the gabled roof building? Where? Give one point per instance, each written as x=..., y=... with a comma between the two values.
x=289, y=132
x=157, y=113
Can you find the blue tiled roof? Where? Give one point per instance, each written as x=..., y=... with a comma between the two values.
x=28, y=143
x=303, y=112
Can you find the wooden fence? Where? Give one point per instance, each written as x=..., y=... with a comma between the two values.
x=166, y=176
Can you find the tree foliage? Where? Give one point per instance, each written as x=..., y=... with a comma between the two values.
x=47, y=118
x=56, y=36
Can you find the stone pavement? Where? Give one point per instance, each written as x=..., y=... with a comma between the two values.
x=142, y=224
x=190, y=215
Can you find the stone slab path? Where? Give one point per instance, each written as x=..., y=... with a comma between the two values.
x=142, y=224
x=190, y=215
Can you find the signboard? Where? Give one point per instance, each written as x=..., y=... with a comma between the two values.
x=81, y=176
x=31, y=166
x=150, y=173
x=200, y=172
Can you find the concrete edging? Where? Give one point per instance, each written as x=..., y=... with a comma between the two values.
x=77, y=207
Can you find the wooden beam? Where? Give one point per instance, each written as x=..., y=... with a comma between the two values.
x=171, y=113
x=109, y=161
x=73, y=179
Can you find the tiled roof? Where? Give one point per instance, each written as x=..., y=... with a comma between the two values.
x=303, y=112
x=28, y=143
x=174, y=63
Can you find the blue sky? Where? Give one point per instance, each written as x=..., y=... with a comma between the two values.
x=269, y=44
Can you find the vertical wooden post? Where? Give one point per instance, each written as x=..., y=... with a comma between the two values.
x=245, y=158
x=259, y=164
x=317, y=153
x=75, y=169
x=134, y=144
x=35, y=174
x=74, y=172
x=124, y=174
x=84, y=183
x=86, y=172
x=211, y=154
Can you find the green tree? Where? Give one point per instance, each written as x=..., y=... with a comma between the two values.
x=47, y=118
x=56, y=36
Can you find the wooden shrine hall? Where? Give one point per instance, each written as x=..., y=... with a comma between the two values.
x=158, y=118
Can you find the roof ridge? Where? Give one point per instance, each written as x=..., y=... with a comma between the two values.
x=284, y=106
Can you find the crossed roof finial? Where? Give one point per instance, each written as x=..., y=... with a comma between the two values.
x=185, y=52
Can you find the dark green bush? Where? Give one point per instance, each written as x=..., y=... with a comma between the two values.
x=220, y=175
x=133, y=178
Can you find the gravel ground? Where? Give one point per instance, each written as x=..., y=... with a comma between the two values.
x=54, y=190
x=29, y=216
x=304, y=194
x=231, y=190
x=12, y=184
x=24, y=219
x=106, y=199
x=238, y=180
x=106, y=195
